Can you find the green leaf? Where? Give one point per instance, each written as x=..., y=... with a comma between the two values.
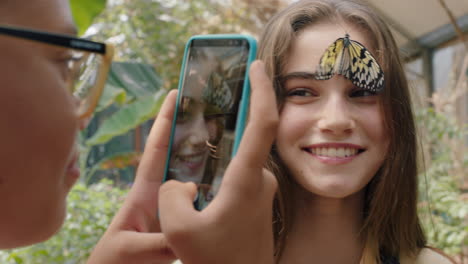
x=84, y=12
x=138, y=79
x=127, y=118
x=110, y=95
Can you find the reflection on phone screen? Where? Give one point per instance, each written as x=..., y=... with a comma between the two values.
x=207, y=114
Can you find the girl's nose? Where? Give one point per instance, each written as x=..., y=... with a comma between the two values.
x=336, y=117
x=199, y=131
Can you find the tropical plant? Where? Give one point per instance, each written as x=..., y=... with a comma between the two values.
x=90, y=210
x=443, y=206
x=113, y=123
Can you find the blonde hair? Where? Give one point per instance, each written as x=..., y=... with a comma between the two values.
x=391, y=225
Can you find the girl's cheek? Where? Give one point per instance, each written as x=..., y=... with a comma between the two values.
x=178, y=136
x=374, y=122
x=294, y=120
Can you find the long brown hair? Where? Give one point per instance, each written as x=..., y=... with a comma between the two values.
x=391, y=225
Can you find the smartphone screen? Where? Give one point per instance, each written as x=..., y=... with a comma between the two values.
x=207, y=113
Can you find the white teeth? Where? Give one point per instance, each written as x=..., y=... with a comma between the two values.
x=340, y=152
x=334, y=152
x=347, y=152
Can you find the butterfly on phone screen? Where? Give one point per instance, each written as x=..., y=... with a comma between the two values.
x=217, y=92
x=352, y=60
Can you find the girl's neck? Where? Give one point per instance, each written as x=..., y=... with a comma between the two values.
x=325, y=230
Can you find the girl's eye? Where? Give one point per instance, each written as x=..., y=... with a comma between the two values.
x=74, y=59
x=64, y=68
x=362, y=93
x=67, y=60
x=300, y=95
x=299, y=92
x=68, y=57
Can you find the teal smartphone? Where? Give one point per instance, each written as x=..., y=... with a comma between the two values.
x=211, y=111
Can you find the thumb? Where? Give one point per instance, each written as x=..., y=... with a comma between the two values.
x=175, y=205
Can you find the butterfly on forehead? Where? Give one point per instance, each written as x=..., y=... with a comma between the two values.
x=352, y=60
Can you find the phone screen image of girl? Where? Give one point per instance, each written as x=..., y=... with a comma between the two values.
x=199, y=123
x=195, y=132
x=193, y=137
x=206, y=116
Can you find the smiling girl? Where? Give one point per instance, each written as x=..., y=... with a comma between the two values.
x=345, y=153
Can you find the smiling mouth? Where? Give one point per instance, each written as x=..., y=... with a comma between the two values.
x=192, y=161
x=193, y=158
x=334, y=152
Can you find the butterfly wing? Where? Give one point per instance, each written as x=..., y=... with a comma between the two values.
x=363, y=69
x=328, y=62
x=217, y=93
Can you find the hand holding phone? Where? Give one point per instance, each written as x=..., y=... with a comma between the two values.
x=211, y=111
x=135, y=236
x=236, y=227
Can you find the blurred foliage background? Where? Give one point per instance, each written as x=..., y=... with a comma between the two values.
x=150, y=36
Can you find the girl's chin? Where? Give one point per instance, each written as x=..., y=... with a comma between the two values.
x=338, y=189
x=190, y=177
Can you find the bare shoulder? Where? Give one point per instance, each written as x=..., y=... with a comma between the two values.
x=429, y=256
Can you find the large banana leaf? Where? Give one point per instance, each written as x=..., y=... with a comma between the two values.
x=137, y=79
x=127, y=118
x=111, y=95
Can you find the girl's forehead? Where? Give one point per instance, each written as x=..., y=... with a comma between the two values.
x=312, y=42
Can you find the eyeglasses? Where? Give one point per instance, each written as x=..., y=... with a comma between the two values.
x=88, y=67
